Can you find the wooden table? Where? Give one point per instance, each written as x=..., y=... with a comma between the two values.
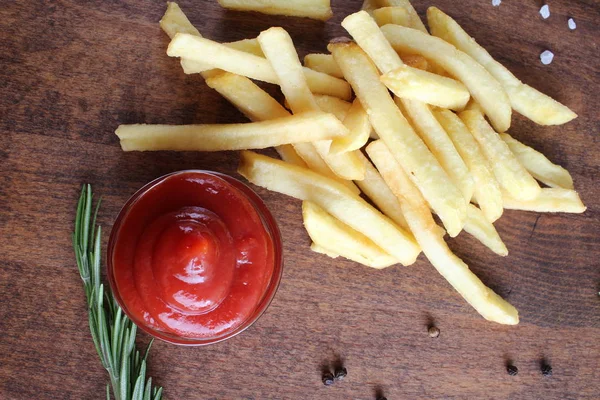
x=72, y=71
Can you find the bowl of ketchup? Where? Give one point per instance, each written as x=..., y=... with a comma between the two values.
x=194, y=257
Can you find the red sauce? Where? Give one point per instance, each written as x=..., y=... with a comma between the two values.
x=192, y=256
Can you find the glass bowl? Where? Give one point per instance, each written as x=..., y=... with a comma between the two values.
x=271, y=228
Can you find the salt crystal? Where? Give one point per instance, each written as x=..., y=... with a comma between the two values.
x=496, y=3
x=545, y=11
x=572, y=24
x=546, y=57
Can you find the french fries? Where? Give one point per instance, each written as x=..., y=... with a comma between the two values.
x=279, y=50
x=391, y=15
x=333, y=105
x=258, y=105
x=482, y=86
x=480, y=228
x=486, y=190
x=369, y=6
x=414, y=19
x=315, y=9
x=509, y=172
x=323, y=63
x=549, y=200
x=415, y=61
x=359, y=128
x=303, y=127
x=431, y=239
x=175, y=21
x=524, y=99
x=398, y=135
x=440, y=145
x=334, y=198
x=215, y=55
x=338, y=238
x=538, y=165
x=375, y=188
x=443, y=196
x=412, y=83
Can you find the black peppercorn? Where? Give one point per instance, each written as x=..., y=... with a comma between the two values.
x=340, y=373
x=327, y=378
x=512, y=370
x=433, y=331
x=546, y=370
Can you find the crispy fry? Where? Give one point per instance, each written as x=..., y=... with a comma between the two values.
x=330, y=233
x=538, y=165
x=258, y=105
x=391, y=15
x=334, y=198
x=431, y=238
x=389, y=123
x=509, y=172
x=483, y=87
x=526, y=100
x=322, y=250
x=304, y=127
x=359, y=128
x=315, y=9
x=369, y=6
x=323, y=63
x=279, y=50
x=550, y=200
x=436, y=138
x=415, y=20
x=175, y=21
x=216, y=55
x=480, y=228
x=380, y=194
x=412, y=83
x=487, y=190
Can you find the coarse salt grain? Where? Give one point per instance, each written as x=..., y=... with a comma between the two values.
x=496, y=3
x=572, y=24
x=546, y=57
x=545, y=11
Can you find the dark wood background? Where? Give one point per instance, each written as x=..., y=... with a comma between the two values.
x=71, y=71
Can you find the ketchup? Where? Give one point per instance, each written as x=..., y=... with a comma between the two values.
x=192, y=256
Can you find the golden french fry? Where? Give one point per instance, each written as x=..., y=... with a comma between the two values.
x=380, y=194
x=333, y=105
x=412, y=83
x=334, y=198
x=415, y=20
x=436, y=138
x=330, y=233
x=175, y=21
x=369, y=6
x=509, y=172
x=216, y=55
x=415, y=61
x=480, y=228
x=524, y=99
x=550, y=200
x=487, y=303
x=431, y=238
x=487, y=190
x=472, y=105
x=538, y=165
x=483, y=86
x=279, y=50
x=258, y=105
x=315, y=9
x=406, y=146
x=359, y=128
x=323, y=63
x=322, y=250
x=303, y=127
x=391, y=15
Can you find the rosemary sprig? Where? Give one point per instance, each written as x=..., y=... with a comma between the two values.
x=112, y=332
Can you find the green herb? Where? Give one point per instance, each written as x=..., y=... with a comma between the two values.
x=113, y=333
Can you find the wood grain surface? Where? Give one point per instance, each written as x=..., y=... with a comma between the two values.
x=71, y=71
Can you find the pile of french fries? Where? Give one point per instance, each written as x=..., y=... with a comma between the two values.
x=433, y=146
